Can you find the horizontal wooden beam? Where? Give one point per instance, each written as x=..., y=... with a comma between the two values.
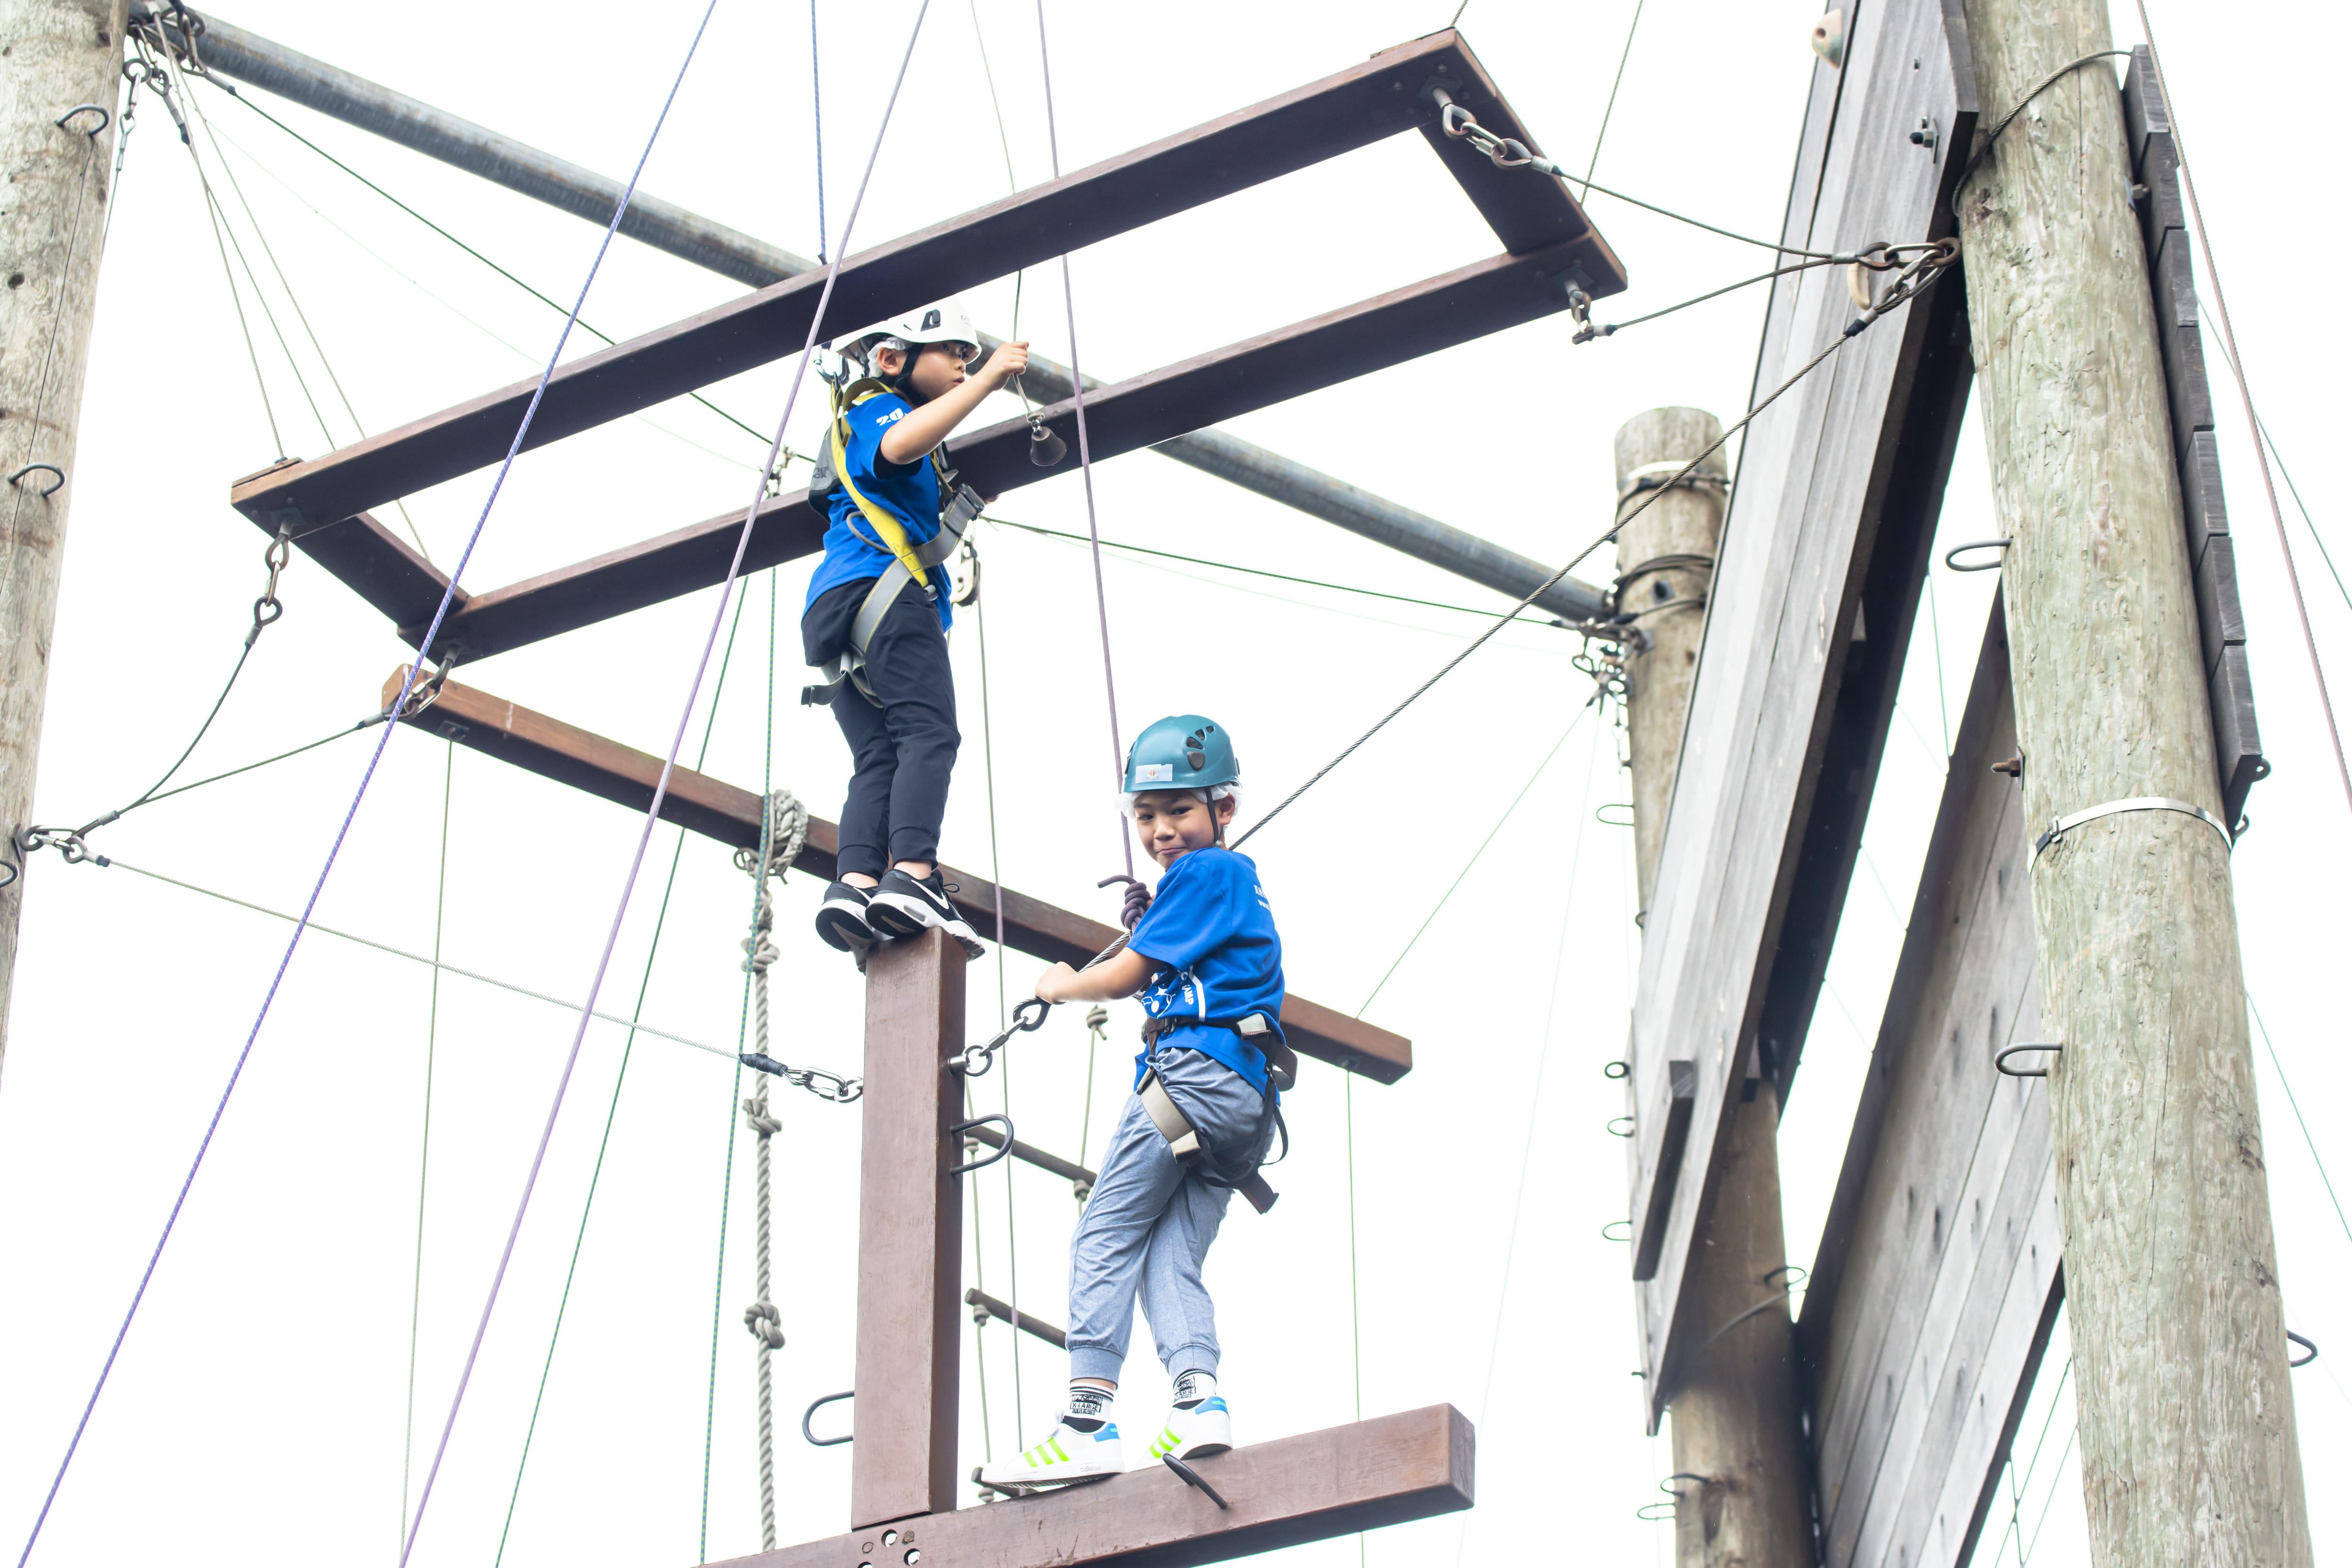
x=1402, y=325
x=1366, y=103
x=700, y=803
x=1338, y=1481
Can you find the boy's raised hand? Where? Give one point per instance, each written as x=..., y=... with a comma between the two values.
x=1009, y=361
x=1050, y=984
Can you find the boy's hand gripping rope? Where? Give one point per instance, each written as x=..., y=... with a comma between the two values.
x=975, y=1061
x=1922, y=270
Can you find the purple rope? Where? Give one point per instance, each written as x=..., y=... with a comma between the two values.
x=1086, y=457
x=661, y=793
x=341, y=833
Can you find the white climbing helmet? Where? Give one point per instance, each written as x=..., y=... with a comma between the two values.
x=945, y=323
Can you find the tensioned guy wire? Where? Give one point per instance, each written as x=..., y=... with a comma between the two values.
x=1086, y=456
x=342, y=833
x=669, y=762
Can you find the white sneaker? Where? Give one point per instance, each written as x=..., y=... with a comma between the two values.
x=1206, y=1429
x=1067, y=1454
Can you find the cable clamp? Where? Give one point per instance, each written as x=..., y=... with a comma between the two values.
x=2065, y=825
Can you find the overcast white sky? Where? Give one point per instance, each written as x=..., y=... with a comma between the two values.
x=259, y=1411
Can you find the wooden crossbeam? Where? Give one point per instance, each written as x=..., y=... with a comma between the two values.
x=1313, y=1487
x=1468, y=302
x=1366, y=103
x=1824, y=554
x=718, y=810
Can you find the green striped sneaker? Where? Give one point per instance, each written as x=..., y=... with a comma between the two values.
x=1206, y=1429
x=1067, y=1454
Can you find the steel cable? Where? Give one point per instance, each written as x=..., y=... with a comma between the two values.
x=319, y=886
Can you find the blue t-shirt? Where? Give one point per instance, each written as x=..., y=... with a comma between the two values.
x=1210, y=935
x=908, y=492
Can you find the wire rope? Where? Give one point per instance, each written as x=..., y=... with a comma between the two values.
x=612, y=1109
x=1086, y=454
x=1852, y=330
x=996, y=877
x=261, y=238
x=245, y=328
x=2246, y=396
x=2296, y=1106
x=335, y=852
x=2308, y=524
x=1518, y=614
x=816, y=114
x=1615, y=82
x=478, y=255
x=1535, y=1100
x=424, y=1136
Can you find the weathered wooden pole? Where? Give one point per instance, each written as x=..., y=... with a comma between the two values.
x=1738, y=1441
x=60, y=55
x=909, y=1236
x=2185, y=1419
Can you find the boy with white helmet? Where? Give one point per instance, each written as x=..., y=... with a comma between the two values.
x=1208, y=962
x=877, y=615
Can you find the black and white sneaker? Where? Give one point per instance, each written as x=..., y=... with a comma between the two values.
x=902, y=906
x=842, y=919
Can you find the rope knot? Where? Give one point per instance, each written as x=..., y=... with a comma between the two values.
x=755, y=1111
x=766, y=1324
x=1133, y=903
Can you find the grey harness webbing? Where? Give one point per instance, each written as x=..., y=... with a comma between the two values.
x=849, y=664
x=1184, y=1140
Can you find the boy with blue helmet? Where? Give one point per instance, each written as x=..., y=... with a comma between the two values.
x=1207, y=962
x=877, y=620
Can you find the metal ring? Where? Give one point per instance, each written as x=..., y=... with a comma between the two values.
x=1617, y=1070
x=1613, y=1225
x=2307, y=1345
x=266, y=611
x=105, y=118
x=1002, y=1150
x=1457, y=119
x=815, y=1404
x=41, y=468
x=2001, y=1059
x=1611, y=1126
x=1952, y=556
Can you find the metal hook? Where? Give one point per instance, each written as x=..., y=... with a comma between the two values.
x=42, y=468
x=815, y=1405
x=1612, y=1123
x=1952, y=556
x=2001, y=1059
x=1002, y=1150
x=2307, y=1345
x=105, y=118
x=1612, y=1225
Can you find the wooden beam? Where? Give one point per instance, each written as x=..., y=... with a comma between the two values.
x=1389, y=329
x=700, y=803
x=909, y=1234
x=1355, y=108
x=1338, y=1481
x=1828, y=532
x=1937, y=1271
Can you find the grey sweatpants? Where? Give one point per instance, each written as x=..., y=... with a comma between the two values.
x=1149, y=1223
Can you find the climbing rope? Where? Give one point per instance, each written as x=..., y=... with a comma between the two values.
x=784, y=829
x=319, y=886
x=1085, y=460
x=1921, y=272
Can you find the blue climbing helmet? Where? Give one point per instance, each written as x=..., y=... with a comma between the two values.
x=1182, y=751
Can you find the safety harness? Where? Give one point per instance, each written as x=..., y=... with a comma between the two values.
x=911, y=562
x=1236, y=1168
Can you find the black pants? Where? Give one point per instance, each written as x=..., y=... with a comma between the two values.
x=904, y=745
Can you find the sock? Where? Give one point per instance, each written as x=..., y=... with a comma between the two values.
x=1191, y=1387
x=1090, y=1407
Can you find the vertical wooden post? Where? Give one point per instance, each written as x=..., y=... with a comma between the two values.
x=910, y=1235
x=1735, y=1416
x=58, y=180
x=2185, y=1416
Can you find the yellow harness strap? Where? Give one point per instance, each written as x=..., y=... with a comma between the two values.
x=887, y=529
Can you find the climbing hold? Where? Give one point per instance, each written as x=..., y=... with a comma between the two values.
x=1828, y=38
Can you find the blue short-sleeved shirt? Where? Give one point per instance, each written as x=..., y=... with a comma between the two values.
x=909, y=492
x=1210, y=935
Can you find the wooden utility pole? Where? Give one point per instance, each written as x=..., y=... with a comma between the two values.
x=2186, y=1419
x=1739, y=1440
x=57, y=76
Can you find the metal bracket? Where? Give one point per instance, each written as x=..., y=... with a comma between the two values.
x=42, y=468
x=2065, y=825
x=818, y=1404
x=2307, y=1345
x=2001, y=1058
x=1952, y=556
x=960, y=1128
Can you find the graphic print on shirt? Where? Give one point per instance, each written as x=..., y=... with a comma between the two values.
x=1210, y=935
